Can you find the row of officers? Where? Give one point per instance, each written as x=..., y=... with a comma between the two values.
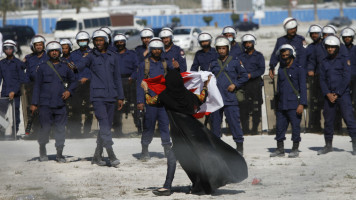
x=109, y=73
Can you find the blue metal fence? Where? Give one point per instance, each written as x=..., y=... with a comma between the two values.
x=222, y=19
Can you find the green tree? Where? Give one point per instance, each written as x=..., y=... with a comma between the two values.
x=6, y=6
x=235, y=18
x=176, y=20
x=208, y=19
x=142, y=22
x=77, y=4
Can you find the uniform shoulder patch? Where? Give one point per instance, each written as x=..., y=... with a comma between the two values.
x=182, y=53
x=348, y=62
x=305, y=44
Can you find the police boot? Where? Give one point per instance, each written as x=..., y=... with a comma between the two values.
x=114, y=162
x=279, y=151
x=97, y=158
x=354, y=147
x=240, y=148
x=167, y=149
x=145, y=155
x=60, y=158
x=43, y=153
x=295, y=152
x=327, y=148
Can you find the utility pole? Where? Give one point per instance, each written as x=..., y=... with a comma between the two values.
x=341, y=8
x=290, y=8
x=316, y=18
x=39, y=4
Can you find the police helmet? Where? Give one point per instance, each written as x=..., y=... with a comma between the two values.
x=10, y=43
x=287, y=47
x=166, y=32
x=348, y=32
x=249, y=38
x=332, y=40
x=147, y=32
x=101, y=33
x=290, y=23
x=53, y=45
x=36, y=39
x=204, y=36
x=120, y=37
x=229, y=29
x=66, y=41
x=330, y=29
x=155, y=42
x=222, y=41
x=106, y=29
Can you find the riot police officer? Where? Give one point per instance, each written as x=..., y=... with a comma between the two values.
x=80, y=102
x=231, y=76
x=107, y=30
x=128, y=63
x=230, y=33
x=254, y=64
x=292, y=98
x=348, y=35
x=335, y=75
x=105, y=90
x=315, y=96
x=204, y=56
x=12, y=76
x=172, y=53
x=153, y=66
x=290, y=26
x=54, y=83
x=142, y=50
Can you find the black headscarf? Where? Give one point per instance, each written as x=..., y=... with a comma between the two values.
x=176, y=97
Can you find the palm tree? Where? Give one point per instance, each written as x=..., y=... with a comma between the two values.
x=6, y=6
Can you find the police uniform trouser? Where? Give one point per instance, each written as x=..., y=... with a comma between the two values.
x=104, y=113
x=353, y=92
x=153, y=114
x=17, y=111
x=345, y=106
x=284, y=117
x=56, y=117
x=232, y=114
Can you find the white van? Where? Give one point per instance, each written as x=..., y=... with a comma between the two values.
x=68, y=27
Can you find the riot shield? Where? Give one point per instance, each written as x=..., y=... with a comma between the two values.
x=7, y=119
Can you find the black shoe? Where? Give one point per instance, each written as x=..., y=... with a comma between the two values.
x=97, y=158
x=279, y=151
x=167, y=149
x=295, y=152
x=145, y=155
x=43, y=153
x=327, y=148
x=162, y=192
x=240, y=148
x=114, y=162
x=353, y=147
x=59, y=157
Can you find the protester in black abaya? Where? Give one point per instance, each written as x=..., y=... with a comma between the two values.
x=208, y=161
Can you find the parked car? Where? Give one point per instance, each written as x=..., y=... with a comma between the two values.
x=246, y=26
x=21, y=34
x=132, y=34
x=186, y=37
x=340, y=21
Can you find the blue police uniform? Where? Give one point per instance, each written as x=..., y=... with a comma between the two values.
x=353, y=76
x=288, y=101
x=153, y=113
x=139, y=52
x=105, y=89
x=297, y=42
x=12, y=74
x=32, y=61
x=76, y=56
x=235, y=50
x=47, y=95
x=335, y=76
x=128, y=63
x=203, y=59
x=178, y=54
x=255, y=65
x=238, y=76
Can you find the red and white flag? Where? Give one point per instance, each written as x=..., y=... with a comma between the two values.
x=194, y=81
